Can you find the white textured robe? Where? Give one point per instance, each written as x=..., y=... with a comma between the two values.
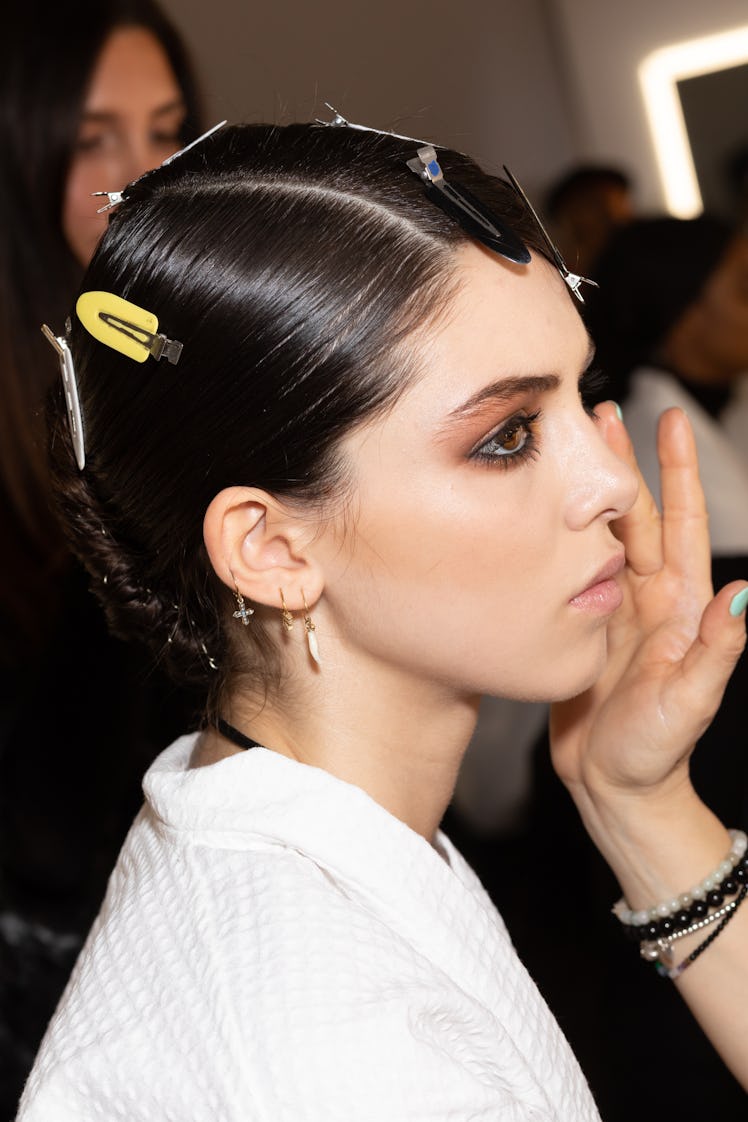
x=276, y=946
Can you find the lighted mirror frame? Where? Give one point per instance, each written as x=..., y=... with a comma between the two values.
x=659, y=74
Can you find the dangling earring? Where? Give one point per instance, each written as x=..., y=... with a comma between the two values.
x=311, y=637
x=287, y=617
x=243, y=612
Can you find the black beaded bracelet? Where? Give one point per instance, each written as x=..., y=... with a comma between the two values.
x=731, y=884
x=676, y=971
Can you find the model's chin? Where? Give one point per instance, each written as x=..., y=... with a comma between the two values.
x=579, y=673
x=568, y=665
x=590, y=674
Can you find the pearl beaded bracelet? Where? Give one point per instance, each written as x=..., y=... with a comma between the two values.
x=663, y=919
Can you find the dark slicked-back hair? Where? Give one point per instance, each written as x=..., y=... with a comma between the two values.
x=293, y=264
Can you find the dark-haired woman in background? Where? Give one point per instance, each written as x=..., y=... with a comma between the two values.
x=91, y=95
x=332, y=462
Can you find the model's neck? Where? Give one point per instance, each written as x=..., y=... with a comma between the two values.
x=400, y=740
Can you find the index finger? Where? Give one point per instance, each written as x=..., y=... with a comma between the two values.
x=685, y=532
x=640, y=529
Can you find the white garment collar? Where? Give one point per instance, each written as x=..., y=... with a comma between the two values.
x=261, y=797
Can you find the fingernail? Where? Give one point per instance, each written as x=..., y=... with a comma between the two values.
x=739, y=603
x=619, y=411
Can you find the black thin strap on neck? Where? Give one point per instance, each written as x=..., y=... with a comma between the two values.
x=233, y=734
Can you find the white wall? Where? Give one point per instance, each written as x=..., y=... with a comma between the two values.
x=536, y=84
x=477, y=74
x=602, y=43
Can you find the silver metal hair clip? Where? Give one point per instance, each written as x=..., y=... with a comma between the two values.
x=70, y=387
x=573, y=280
x=157, y=345
x=116, y=197
x=197, y=140
x=459, y=203
x=339, y=121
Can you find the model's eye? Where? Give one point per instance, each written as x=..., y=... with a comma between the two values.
x=512, y=438
x=94, y=142
x=167, y=137
x=511, y=443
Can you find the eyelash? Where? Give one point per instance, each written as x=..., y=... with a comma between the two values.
x=590, y=385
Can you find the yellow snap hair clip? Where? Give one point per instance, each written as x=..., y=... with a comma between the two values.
x=125, y=327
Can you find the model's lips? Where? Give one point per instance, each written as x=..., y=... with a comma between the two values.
x=602, y=594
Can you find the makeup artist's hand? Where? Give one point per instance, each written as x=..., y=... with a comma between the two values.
x=672, y=645
x=623, y=747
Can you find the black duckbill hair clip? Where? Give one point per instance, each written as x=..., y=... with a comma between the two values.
x=459, y=203
x=481, y=223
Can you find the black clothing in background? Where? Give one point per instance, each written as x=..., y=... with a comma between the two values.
x=80, y=721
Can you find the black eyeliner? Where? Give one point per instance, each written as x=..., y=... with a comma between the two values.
x=509, y=460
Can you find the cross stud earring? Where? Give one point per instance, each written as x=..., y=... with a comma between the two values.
x=243, y=612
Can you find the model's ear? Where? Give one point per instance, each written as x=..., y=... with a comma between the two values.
x=260, y=546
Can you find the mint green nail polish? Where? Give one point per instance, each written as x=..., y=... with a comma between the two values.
x=619, y=411
x=739, y=603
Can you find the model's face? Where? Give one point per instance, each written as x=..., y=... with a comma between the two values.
x=131, y=120
x=483, y=501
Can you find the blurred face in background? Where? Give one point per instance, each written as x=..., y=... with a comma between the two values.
x=709, y=343
x=723, y=310
x=131, y=122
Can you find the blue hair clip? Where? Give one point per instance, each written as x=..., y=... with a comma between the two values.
x=459, y=203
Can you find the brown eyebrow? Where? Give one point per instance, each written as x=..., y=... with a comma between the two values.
x=505, y=389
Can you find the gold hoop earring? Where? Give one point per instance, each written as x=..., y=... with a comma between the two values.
x=243, y=613
x=287, y=617
x=310, y=629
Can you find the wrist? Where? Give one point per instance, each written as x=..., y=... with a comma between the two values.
x=658, y=843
